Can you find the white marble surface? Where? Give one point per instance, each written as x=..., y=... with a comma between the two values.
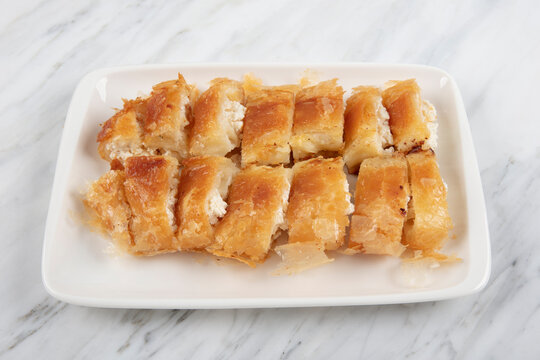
x=492, y=48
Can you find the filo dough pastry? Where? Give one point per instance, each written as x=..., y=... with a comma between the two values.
x=318, y=121
x=218, y=116
x=110, y=212
x=149, y=126
x=150, y=188
x=120, y=136
x=428, y=219
x=167, y=115
x=319, y=203
x=380, y=206
x=256, y=213
x=367, y=133
x=412, y=119
x=202, y=195
x=267, y=126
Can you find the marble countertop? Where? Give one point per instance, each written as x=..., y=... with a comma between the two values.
x=492, y=48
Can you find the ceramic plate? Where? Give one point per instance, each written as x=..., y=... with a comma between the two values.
x=79, y=267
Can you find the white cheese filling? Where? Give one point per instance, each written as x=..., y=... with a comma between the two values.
x=350, y=208
x=122, y=153
x=383, y=127
x=216, y=206
x=280, y=223
x=233, y=116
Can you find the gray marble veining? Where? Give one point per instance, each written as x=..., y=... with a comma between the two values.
x=492, y=48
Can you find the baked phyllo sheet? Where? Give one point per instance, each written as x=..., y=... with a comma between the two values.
x=319, y=204
x=151, y=187
x=202, y=195
x=109, y=210
x=380, y=206
x=218, y=119
x=136, y=205
x=428, y=221
x=413, y=120
x=318, y=121
x=367, y=133
x=256, y=213
x=151, y=125
x=268, y=126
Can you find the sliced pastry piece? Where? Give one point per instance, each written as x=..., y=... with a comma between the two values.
x=319, y=204
x=367, y=133
x=108, y=207
x=256, y=213
x=317, y=215
x=428, y=221
x=151, y=186
x=318, y=121
x=167, y=115
x=413, y=121
x=121, y=136
x=267, y=127
x=203, y=190
x=148, y=126
x=218, y=118
x=380, y=206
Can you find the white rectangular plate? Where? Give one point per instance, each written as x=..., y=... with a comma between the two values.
x=78, y=268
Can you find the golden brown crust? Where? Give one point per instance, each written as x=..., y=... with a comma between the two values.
x=404, y=105
x=121, y=131
x=381, y=197
x=146, y=126
x=431, y=223
x=267, y=127
x=199, y=177
x=108, y=207
x=150, y=183
x=166, y=116
x=211, y=134
x=361, y=133
x=318, y=206
x=318, y=120
x=360, y=113
x=135, y=202
x=256, y=197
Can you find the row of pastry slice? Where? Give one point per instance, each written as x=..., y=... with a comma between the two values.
x=400, y=202
x=148, y=208
x=150, y=125
x=267, y=122
x=271, y=122
x=377, y=122
x=264, y=121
